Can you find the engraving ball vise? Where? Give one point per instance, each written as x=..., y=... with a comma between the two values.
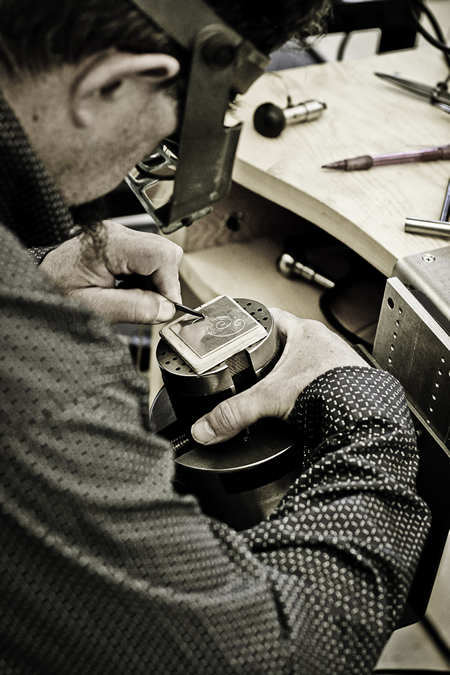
x=240, y=481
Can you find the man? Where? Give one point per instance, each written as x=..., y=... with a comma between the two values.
x=104, y=567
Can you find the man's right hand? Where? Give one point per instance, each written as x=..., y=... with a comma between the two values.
x=90, y=277
x=310, y=349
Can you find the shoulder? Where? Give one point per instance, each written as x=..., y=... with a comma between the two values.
x=42, y=326
x=18, y=265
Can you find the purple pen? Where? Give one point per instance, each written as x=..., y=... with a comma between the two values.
x=367, y=161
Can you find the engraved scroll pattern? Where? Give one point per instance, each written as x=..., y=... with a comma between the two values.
x=224, y=326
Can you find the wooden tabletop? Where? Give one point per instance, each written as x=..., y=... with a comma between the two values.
x=365, y=115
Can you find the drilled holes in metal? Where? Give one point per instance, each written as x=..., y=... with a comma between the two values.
x=257, y=311
x=172, y=362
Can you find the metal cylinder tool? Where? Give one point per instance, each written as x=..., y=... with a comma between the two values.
x=269, y=120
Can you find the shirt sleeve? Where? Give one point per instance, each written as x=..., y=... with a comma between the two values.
x=351, y=528
x=105, y=568
x=39, y=252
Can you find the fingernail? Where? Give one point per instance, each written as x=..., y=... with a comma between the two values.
x=166, y=311
x=202, y=432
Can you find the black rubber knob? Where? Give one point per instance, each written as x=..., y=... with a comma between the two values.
x=269, y=120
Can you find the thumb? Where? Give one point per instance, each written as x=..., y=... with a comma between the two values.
x=231, y=416
x=127, y=306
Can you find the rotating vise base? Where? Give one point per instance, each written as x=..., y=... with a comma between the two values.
x=240, y=481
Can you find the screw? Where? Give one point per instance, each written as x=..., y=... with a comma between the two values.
x=218, y=52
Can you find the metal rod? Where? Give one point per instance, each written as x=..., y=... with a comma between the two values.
x=446, y=205
x=429, y=227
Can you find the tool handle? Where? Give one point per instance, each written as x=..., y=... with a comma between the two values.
x=427, y=155
x=359, y=163
x=445, y=151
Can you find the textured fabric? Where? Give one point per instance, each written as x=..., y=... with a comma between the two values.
x=39, y=252
x=105, y=569
x=26, y=189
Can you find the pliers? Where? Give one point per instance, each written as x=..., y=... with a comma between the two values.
x=437, y=95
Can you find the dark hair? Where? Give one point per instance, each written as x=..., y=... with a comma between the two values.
x=268, y=24
x=39, y=34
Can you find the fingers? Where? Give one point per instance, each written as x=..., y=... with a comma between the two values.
x=310, y=349
x=150, y=255
x=91, y=277
x=233, y=415
x=127, y=306
x=167, y=283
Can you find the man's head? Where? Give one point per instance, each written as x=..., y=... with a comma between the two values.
x=96, y=83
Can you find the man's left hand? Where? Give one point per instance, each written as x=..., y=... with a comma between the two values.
x=89, y=275
x=310, y=349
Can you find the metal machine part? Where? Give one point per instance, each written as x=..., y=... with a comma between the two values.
x=317, y=257
x=269, y=120
x=223, y=64
x=292, y=268
x=242, y=480
x=413, y=335
x=426, y=275
x=412, y=345
x=432, y=228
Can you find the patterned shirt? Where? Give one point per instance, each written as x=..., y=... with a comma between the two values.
x=106, y=569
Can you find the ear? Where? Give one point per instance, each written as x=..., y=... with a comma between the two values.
x=102, y=79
